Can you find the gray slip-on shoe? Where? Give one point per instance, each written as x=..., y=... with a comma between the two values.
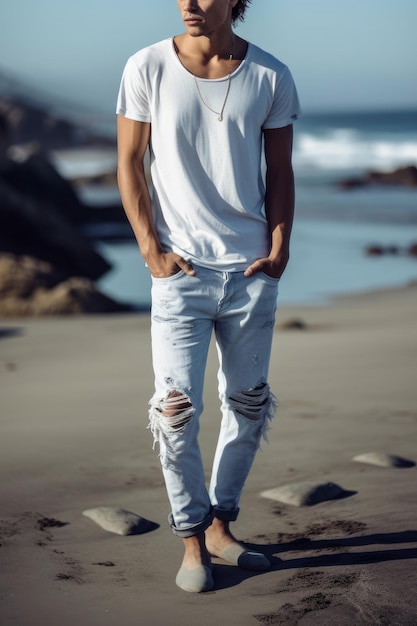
x=246, y=559
x=195, y=580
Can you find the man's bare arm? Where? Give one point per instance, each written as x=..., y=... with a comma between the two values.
x=132, y=143
x=279, y=201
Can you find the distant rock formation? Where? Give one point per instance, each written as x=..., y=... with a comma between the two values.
x=30, y=287
x=403, y=176
x=36, y=223
x=381, y=250
x=30, y=122
x=47, y=265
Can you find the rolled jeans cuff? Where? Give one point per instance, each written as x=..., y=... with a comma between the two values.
x=197, y=529
x=226, y=515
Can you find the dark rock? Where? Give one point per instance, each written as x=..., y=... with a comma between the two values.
x=30, y=287
x=379, y=250
x=74, y=296
x=307, y=493
x=351, y=183
x=39, y=215
x=412, y=249
x=403, y=176
x=120, y=521
x=383, y=459
x=34, y=228
x=48, y=263
x=35, y=177
x=292, y=324
x=374, y=250
x=32, y=122
x=21, y=276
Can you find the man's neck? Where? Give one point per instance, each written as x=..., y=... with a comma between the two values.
x=209, y=57
x=206, y=47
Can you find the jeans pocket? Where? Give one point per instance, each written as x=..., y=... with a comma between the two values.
x=269, y=278
x=165, y=279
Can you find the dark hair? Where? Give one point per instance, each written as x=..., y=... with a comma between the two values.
x=238, y=11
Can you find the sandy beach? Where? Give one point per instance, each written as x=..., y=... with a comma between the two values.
x=74, y=394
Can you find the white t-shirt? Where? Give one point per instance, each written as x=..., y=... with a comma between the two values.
x=208, y=190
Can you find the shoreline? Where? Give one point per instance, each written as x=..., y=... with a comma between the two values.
x=358, y=297
x=74, y=417
x=330, y=259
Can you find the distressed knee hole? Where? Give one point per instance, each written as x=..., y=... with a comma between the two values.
x=253, y=403
x=257, y=404
x=176, y=409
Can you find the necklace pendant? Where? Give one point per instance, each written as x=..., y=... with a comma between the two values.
x=229, y=81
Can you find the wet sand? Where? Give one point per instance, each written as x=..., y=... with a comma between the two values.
x=73, y=398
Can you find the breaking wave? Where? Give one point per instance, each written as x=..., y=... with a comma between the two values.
x=348, y=149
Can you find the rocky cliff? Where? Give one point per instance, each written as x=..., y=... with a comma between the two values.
x=42, y=219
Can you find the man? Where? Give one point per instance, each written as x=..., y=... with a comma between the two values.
x=216, y=240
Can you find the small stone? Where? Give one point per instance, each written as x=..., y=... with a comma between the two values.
x=378, y=250
x=50, y=522
x=7, y=367
x=374, y=250
x=120, y=521
x=306, y=493
x=382, y=459
x=292, y=324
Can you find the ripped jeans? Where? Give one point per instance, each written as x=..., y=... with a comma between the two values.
x=185, y=311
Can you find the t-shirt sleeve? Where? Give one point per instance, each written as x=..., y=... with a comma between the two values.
x=286, y=106
x=132, y=100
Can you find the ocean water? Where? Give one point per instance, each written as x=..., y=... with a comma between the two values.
x=333, y=227
x=354, y=142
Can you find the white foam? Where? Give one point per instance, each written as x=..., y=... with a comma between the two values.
x=84, y=162
x=343, y=149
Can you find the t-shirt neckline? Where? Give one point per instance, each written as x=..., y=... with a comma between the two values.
x=210, y=80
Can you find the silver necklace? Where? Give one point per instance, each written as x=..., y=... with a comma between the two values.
x=229, y=80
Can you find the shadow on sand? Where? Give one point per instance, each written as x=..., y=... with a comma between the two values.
x=227, y=576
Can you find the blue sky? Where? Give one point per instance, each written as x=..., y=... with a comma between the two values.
x=359, y=54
